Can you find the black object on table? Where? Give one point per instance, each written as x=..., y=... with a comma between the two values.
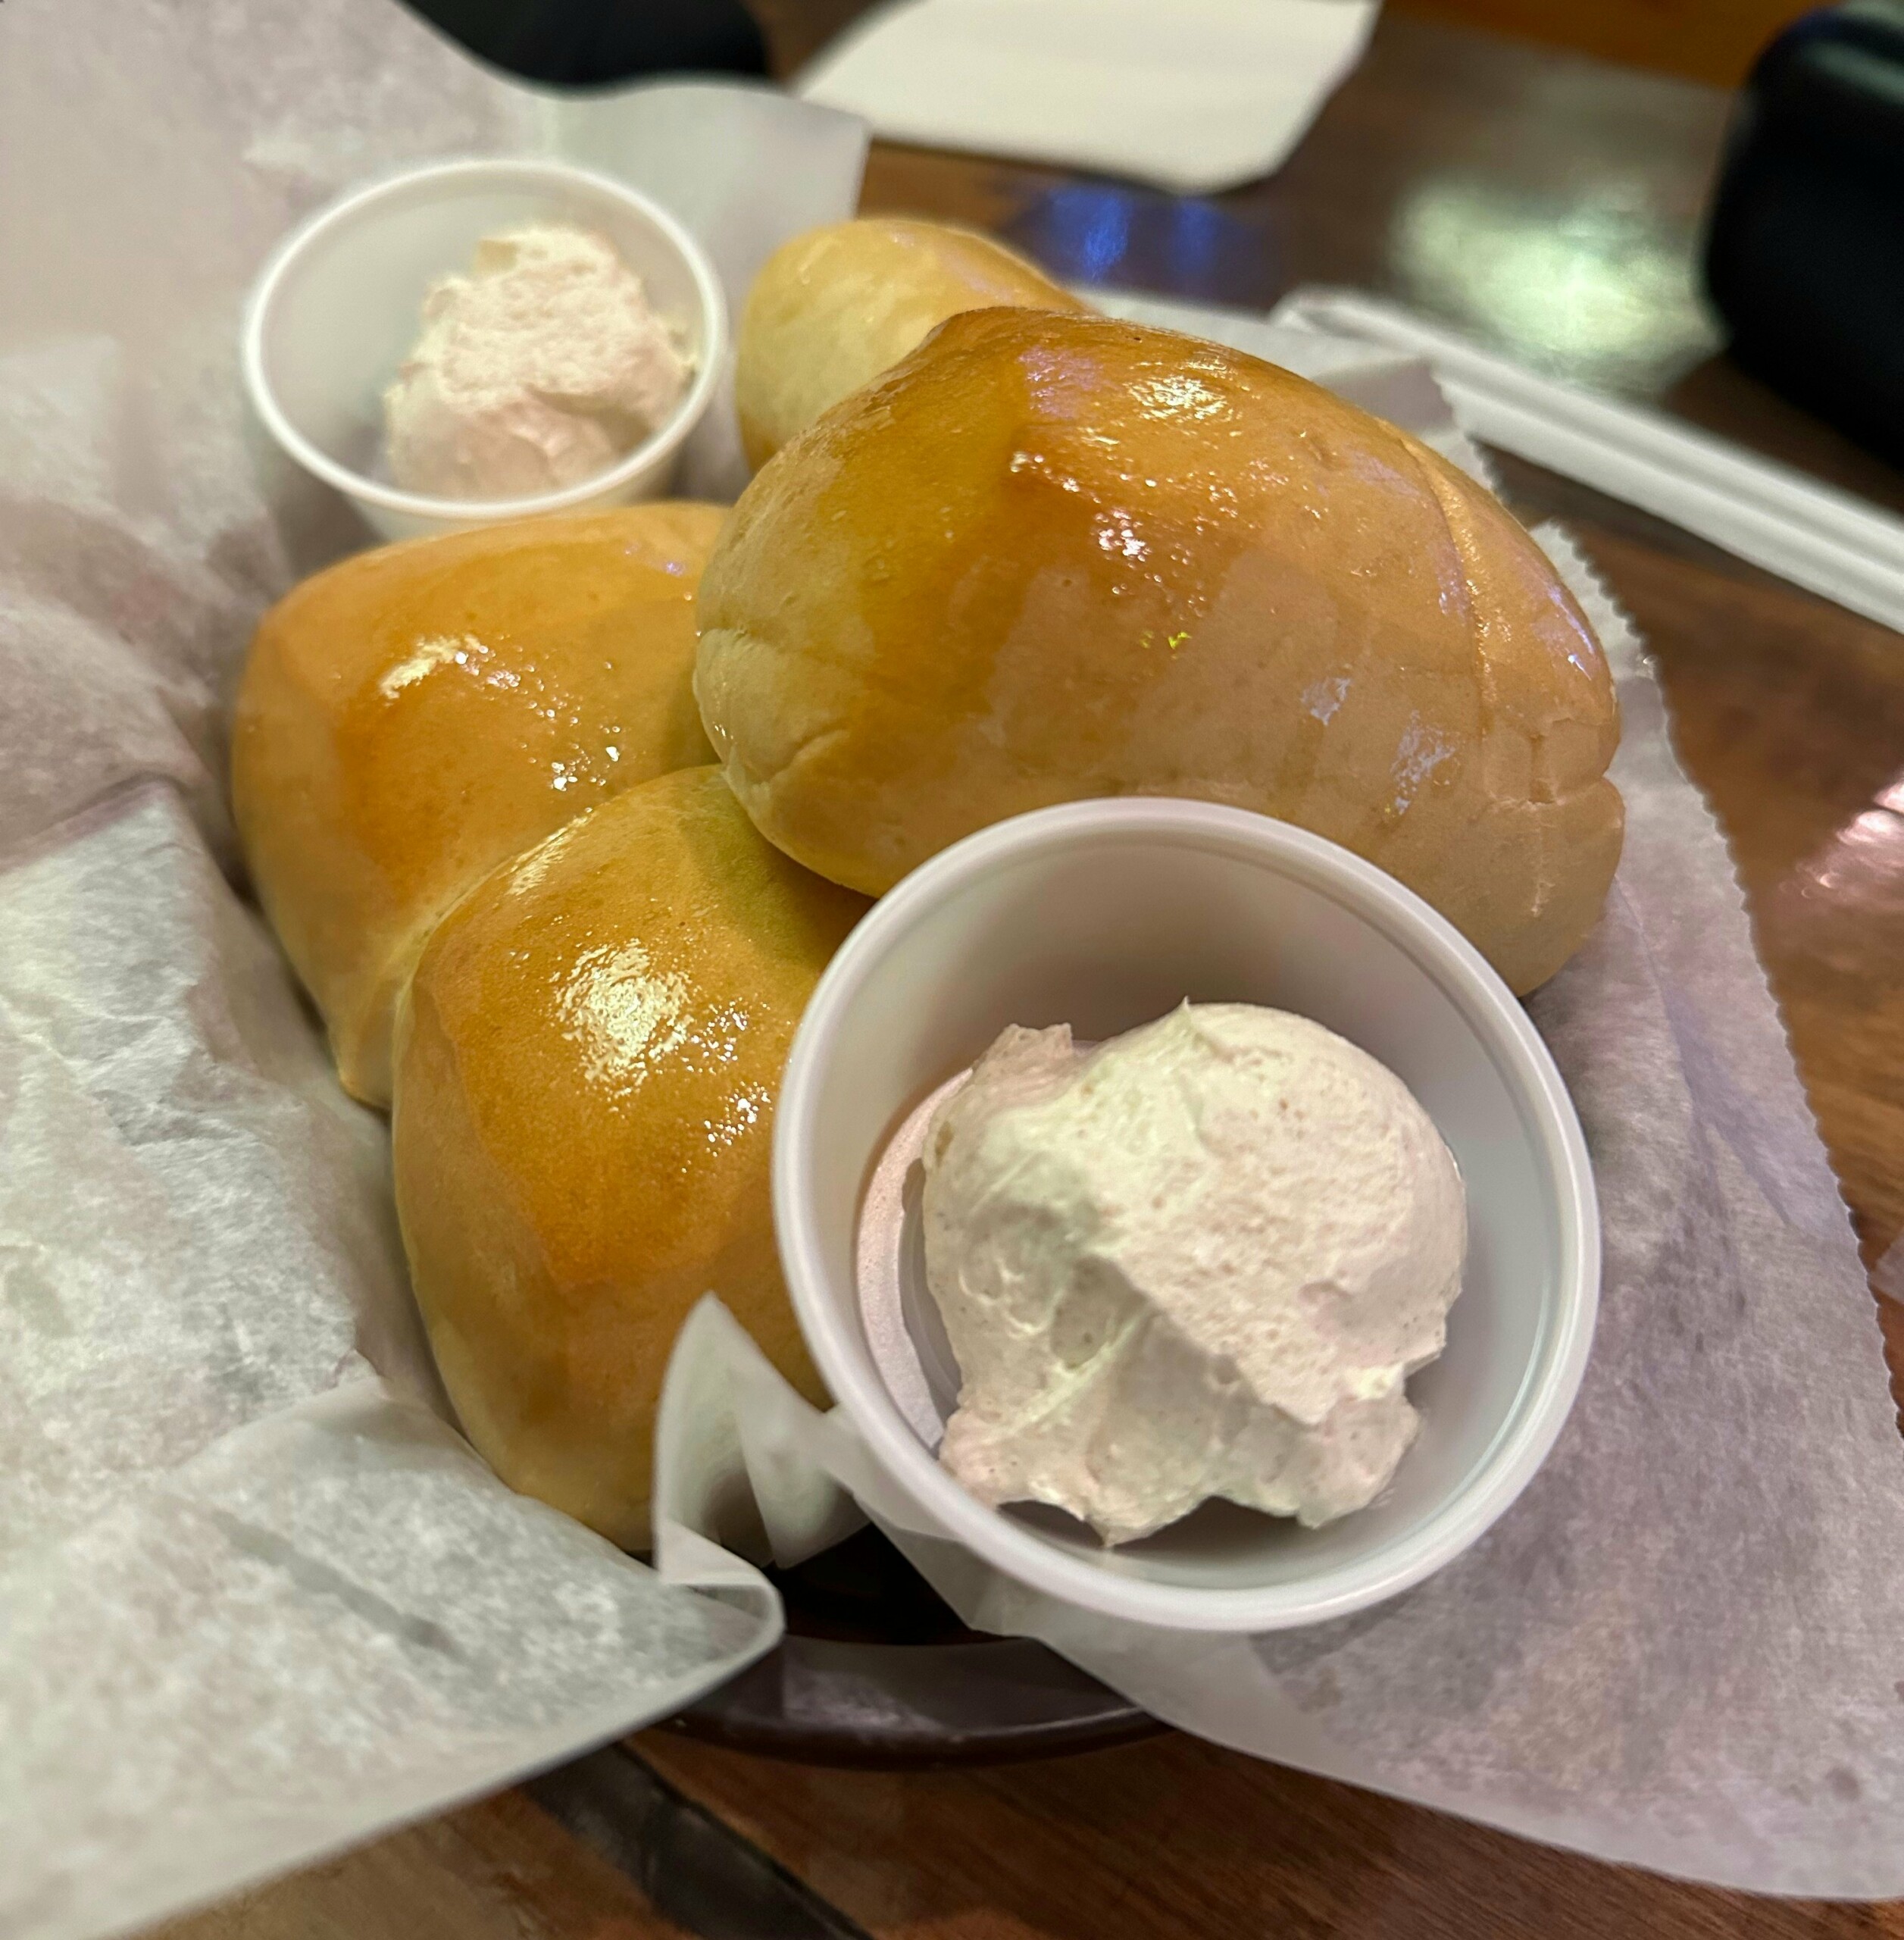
x=1804, y=250
x=602, y=43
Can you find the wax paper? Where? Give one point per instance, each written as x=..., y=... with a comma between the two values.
x=257, y=1599
x=1683, y=1647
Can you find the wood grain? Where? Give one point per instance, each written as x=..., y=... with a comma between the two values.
x=501, y=1870
x=1706, y=41
x=1548, y=207
x=1177, y=1840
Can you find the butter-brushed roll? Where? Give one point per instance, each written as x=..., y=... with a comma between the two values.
x=1049, y=557
x=835, y=307
x=587, y=1063
x=411, y=716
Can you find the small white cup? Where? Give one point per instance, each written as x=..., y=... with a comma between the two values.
x=1105, y=915
x=340, y=303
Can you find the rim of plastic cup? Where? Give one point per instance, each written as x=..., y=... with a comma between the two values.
x=1555, y=1367
x=687, y=414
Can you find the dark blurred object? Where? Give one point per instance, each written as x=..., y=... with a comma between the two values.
x=1805, y=254
x=601, y=43
x=876, y=1671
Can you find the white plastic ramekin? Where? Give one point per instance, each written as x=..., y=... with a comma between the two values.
x=340, y=302
x=1103, y=915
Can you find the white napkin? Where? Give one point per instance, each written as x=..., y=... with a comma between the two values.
x=1195, y=95
x=1681, y=1648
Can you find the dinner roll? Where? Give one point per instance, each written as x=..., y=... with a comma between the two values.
x=832, y=308
x=1049, y=557
x=415, y=715
x=587, y=1061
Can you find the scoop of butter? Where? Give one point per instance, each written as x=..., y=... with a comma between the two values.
x=1201, y=1259
x=542, y=367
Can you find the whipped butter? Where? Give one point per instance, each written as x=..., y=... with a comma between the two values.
x=1201, y=1259
x=540, y=368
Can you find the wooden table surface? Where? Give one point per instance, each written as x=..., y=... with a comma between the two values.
x=1549, y=205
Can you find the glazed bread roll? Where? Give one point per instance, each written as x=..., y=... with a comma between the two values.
x=832, y=308
x=587, y=1062
x=415, y=715
x=1050, y=557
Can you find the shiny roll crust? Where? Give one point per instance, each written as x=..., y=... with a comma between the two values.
x=588, y=1058
x=1050, y=557
x=412, y=716
x=834, y=308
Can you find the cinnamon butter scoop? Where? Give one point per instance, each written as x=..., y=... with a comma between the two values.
x=1202, y=1259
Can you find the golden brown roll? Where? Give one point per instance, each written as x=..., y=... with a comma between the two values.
x=587, y=1062
x=832, y=308
x=415, y=715
x=1049, y=557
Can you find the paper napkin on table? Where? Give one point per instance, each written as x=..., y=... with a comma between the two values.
x=1195, y=95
